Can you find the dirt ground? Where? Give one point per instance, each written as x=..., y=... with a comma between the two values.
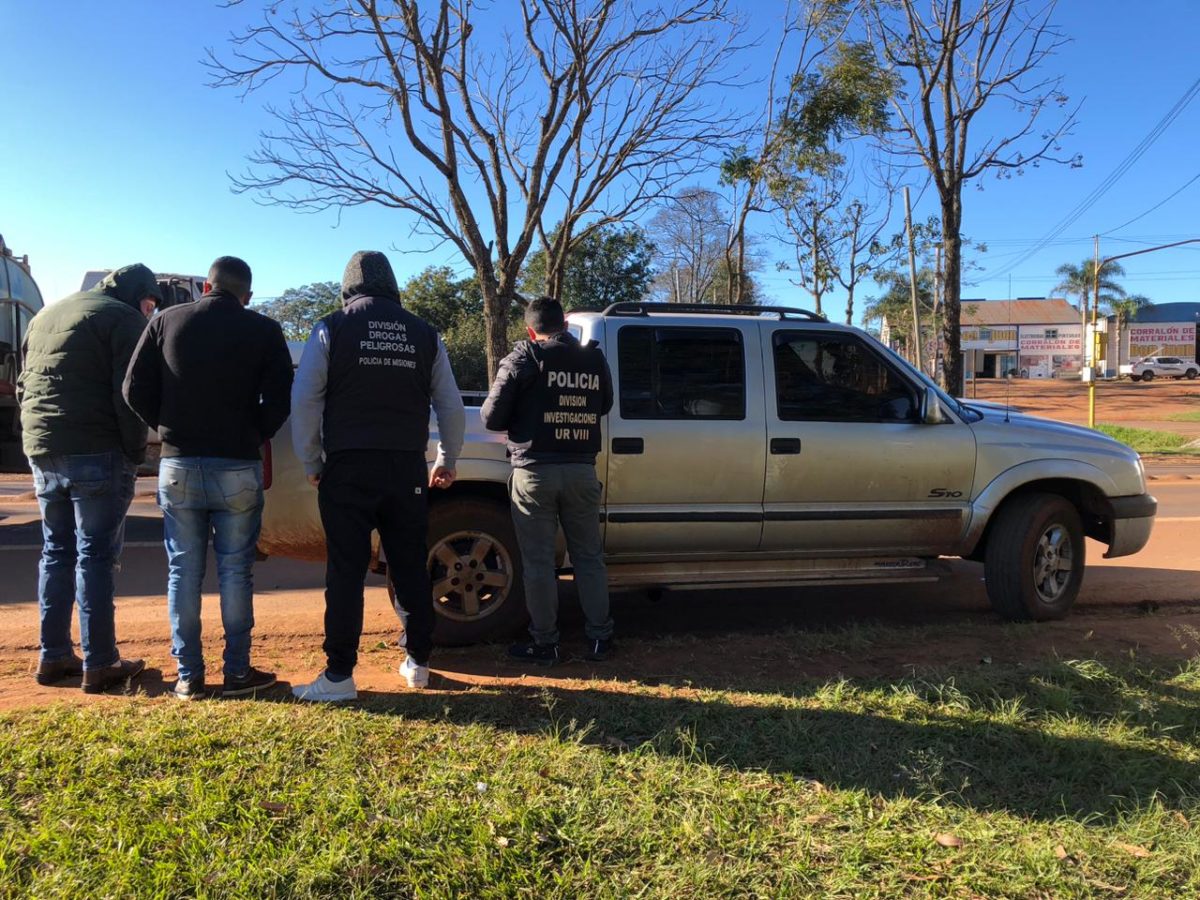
x=1130, y=403
x=717, y=640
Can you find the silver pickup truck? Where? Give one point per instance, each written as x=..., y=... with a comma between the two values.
x=752, y=446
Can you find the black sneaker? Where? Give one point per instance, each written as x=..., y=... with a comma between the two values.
x=56, y=670
x=189, y=688
x=599, y=649
x=254, y=680
x=97, y=681
x=541, y=654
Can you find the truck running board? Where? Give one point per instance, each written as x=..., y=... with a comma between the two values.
x=698, y=575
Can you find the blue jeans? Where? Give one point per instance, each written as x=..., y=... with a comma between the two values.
x=222, y=498
x=83, y=498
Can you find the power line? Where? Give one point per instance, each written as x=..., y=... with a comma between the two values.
x=1169, y=197
x=1113, y=177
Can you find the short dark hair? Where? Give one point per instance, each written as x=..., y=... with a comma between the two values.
x=545, y=316
x=228, y=273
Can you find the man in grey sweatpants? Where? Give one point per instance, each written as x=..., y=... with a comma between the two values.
x=550, y=394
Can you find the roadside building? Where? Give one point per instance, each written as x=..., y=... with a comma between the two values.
x=1164, y=329
x=1025, y=338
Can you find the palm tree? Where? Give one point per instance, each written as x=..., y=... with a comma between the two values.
x=1125, y=309
x=1077, y=281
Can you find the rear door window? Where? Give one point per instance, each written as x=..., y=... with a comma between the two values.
x=681, y=373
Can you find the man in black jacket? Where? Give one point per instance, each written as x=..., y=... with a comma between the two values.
x=550, y=394
x=214, y=378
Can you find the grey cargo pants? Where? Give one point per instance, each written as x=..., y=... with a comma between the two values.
x=543, y=497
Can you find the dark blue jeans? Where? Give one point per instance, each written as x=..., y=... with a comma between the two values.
x=84, y=499
x=203, y=497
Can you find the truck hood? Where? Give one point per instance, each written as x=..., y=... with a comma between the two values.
x=1008, y=439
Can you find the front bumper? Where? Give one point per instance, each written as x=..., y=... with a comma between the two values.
x=1132, y=522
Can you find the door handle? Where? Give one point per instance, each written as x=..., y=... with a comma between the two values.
x=627, y=445
x=785, y=446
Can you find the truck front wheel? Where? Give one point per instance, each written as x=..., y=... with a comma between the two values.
x=1033, y=565
x=475, y=572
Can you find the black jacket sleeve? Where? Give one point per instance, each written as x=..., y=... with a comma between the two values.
x=142, y=388
x=275, y=385
x=129, y=335
x=517, y=370
x=606, y=398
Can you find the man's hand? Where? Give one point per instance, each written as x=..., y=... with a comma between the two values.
x=314, y=480
x=442, y=477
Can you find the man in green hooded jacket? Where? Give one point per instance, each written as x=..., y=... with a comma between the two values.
x=84, y=445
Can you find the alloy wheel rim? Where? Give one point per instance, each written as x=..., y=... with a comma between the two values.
x=471, y=573
x=1053, y=563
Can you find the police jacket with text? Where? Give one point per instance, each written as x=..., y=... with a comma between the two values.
x=550, y=396
x=380, y=377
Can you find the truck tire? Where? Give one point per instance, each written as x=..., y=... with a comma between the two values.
x=1135, y=377
x=1033, y=563
x=1192, y=373
x=1147, y=375
x=484, y=600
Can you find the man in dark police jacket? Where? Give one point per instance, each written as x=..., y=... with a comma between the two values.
x=550, y=394
x=360, y=425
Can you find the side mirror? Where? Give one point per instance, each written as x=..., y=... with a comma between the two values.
x=931, y=408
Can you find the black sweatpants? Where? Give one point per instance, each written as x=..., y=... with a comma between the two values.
x=385, y=491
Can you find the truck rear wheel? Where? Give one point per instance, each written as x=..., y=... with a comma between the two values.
x=1147, y=375
x=475, y=570
x=1033, y=564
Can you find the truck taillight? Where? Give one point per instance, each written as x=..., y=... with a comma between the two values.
x=266, y=461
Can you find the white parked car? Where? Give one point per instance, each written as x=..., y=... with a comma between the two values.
x=1152, y=367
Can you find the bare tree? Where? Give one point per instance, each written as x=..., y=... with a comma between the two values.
x=808, y=208
x=689, y=234
x=651, y=124
x=404, y=105
x=810, y=31
x=960, y=59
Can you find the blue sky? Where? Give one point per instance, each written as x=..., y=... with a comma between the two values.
x=115, y=150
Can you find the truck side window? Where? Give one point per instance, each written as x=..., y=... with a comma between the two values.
x=681, y=373
x=836, y=378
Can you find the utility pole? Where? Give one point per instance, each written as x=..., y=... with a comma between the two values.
x=937, y=302
x=912, y=277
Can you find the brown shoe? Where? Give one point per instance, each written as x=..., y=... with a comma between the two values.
x=55, y=670
x=97, y=681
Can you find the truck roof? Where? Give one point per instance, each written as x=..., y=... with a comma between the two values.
x=720, y=312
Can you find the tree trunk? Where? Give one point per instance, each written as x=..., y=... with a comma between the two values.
x=557, y=255
x=495, y=320
x=818, y=288
x=952, y=362
x=850, y=304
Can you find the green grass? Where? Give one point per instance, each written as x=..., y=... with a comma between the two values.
x=1072, y=779
x=1143, y=440
x=1192, y=415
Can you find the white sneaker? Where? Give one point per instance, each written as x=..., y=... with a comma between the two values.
x=414, y=675
x=325, y=691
